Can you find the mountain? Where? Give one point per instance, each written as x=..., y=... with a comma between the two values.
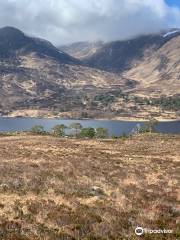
x=37, y=79
x=119, y=56
x=152, y=61
x=140, y=80
x=13, y=42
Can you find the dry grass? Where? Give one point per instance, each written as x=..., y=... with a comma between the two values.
x=55, y=189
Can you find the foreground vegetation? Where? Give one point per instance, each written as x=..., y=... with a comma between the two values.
x=57, y=188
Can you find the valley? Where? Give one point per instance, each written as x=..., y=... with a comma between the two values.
x=133, y=79
x=89, y=120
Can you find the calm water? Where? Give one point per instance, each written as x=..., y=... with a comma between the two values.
x=114, y=127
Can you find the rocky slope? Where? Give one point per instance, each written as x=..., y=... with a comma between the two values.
x=159, y=71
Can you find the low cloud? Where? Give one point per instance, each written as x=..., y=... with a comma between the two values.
x=66, y=21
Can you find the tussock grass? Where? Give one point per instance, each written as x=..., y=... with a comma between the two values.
x=53, y=188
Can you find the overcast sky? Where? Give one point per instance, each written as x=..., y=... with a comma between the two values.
x=66, y=21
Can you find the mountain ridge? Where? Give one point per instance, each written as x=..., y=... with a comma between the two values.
x=118, y=56
x=14, y=42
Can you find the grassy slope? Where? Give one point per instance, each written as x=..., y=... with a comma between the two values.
x=87, y=189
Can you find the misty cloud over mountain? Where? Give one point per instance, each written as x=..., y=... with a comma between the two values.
x=67, y=21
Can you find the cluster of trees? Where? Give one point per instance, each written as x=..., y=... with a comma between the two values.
x=78, y=131
x=166, y=103
x=109, y=97
x=90, y=132
x=105, y=99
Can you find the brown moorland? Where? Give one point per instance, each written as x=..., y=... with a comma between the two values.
x=53, y=189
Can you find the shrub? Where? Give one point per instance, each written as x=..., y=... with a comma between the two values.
x=87, y=132
x=37, y=129
x=101, y=133
x=114, y=137
x=59, y=130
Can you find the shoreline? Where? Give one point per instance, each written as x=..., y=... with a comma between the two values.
x=127, y=119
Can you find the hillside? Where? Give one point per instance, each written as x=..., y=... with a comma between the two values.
x=88, y=189
x=37, y=79
x=160, y=70
x=119, y=56
x=36, y=76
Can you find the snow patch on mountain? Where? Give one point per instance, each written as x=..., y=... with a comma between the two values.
x=170, y=33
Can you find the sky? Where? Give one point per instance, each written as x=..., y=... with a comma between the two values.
x=67, y=21
x=173, y=2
